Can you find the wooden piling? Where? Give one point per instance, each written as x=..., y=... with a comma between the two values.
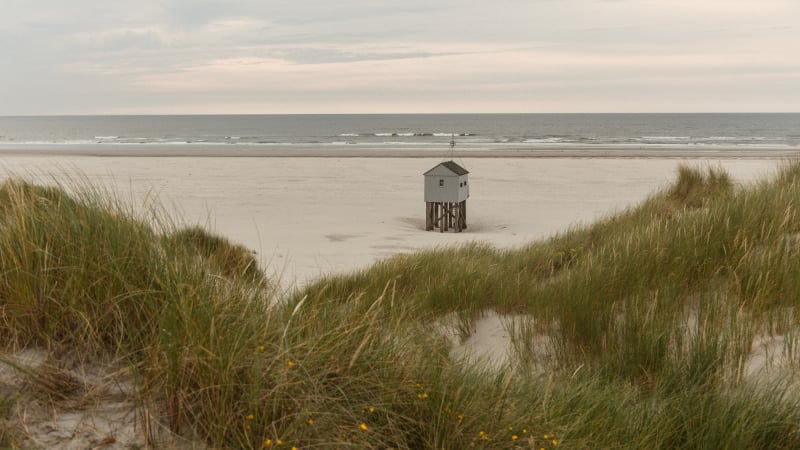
x=446, y=216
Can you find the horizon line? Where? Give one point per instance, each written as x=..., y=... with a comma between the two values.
x=391, y=114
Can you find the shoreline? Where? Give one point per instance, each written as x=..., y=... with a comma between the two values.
x=412, y=151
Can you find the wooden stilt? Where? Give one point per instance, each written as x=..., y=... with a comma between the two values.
x=428, y=216
x=452, y=211
x=440, y=217
x=446, y=216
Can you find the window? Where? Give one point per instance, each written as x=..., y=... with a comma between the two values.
x=441, y=182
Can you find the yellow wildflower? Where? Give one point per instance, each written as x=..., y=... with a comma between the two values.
x=554, y=442
x=267, y=442
x=289, y=363
x=310, y=421
x=261, y=348
x=363, y=426
x=514, y=437
x=250, y=417
x=371, y=409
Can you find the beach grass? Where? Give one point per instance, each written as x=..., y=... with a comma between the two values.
x=635, y=331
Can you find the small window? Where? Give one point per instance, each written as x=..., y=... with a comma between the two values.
x=441, y=182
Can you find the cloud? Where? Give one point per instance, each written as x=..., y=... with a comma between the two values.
x=115, y=39
x=523, y=55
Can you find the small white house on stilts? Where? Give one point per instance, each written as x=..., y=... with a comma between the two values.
x=446, y=194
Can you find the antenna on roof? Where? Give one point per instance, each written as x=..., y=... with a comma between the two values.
x=451, y=154
x=452, y=146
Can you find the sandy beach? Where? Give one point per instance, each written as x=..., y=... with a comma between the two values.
x=308, y=216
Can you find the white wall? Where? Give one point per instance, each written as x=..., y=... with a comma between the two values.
x=451, y=192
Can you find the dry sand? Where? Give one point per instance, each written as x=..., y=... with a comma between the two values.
x=312, y=216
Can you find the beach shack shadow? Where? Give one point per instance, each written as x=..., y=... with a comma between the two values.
x=478, y=226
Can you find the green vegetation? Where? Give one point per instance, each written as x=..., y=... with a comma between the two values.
x=635, y=331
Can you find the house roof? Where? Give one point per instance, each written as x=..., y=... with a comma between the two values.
x=452, y=167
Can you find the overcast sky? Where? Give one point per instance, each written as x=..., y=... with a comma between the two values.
x=408, y=56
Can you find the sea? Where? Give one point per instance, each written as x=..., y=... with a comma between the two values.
x=420, y=131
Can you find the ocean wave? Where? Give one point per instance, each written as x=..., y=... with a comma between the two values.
x=405, y=139
x=426, y=131
x=665, y=138
x=395, y=134
x=453, y=134
x=551, y=140
x=417, y=134
x=64, y=142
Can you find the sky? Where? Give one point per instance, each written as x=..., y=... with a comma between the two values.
x=410, y=56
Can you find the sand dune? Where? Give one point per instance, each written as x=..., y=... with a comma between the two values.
x=312, y=216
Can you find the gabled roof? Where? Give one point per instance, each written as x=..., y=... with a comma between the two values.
x=452, y=167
